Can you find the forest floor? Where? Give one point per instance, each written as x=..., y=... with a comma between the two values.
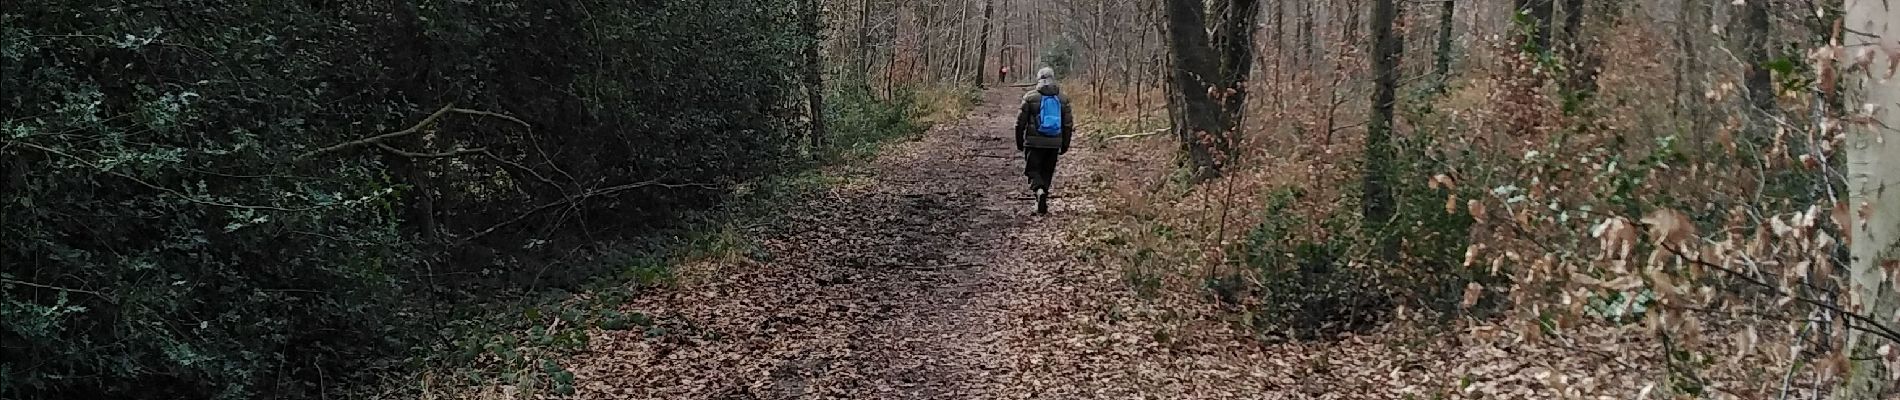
x=925, y=275
x=916, y=278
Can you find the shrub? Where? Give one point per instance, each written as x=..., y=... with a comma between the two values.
x=1304, y=286
x=858, y=120
x=200, y=204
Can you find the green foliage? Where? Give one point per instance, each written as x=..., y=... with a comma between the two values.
x=1304, y=286
x=165, y=236
x=1432, y=273
x=859, y=120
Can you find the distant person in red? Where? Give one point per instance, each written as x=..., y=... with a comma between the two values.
x=1003, y=75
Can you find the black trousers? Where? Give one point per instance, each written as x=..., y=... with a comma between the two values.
x=1040, y=166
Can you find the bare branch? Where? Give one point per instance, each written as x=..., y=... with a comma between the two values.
x=51, y=287
x=1878, y=329
x=412, y=129
x=166, y=190
x=490, y=115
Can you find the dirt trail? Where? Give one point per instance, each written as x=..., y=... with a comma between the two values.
x=918, y=281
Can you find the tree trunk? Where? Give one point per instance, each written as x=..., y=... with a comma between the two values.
x=1008, y=56
x=1306, y=34
x=1378, y=204
x=890, y=49
x=1349, y=32
x=921, y=65
x=1441, y=63
x=963, y=43
x=1210, y=74
x=983, y=41
x=814, y=73
x=1578, y=52
x=864, y=42
x=1873, y=181
x=1751, y=45
x=1688, y=85
x=1233, y=40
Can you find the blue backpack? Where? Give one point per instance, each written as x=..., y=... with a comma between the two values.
x=1051, y=117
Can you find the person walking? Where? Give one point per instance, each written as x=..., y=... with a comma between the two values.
x=1044, y=128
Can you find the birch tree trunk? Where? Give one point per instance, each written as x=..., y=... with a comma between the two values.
x=1873, y=181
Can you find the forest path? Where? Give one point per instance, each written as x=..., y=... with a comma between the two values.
x=921, y=277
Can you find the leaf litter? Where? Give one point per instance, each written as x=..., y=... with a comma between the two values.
x=930, y=279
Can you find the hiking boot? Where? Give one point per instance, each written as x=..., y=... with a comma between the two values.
x=1042, y=201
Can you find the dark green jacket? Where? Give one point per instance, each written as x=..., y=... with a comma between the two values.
x=1026, y=120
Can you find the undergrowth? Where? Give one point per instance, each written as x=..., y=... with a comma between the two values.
x=515, y=349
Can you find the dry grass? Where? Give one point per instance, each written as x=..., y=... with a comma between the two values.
x=942, y=103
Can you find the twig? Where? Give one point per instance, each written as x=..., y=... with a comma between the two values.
x=1879, y=329
x=531, y=172
x=451, y=153
x=490, y=114
x=1787, y=381
x=67, y=289
x=166, y=190
x=583, y=196
x=412, y=129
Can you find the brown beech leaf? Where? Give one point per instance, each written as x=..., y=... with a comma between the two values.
x=1472, y=292
x=1669, y=228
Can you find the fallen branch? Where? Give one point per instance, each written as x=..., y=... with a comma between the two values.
x=425, y=123
x=530, y=171
x=412, y=129
x=451, y=153
x=1136, y=135
x=607, y=191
